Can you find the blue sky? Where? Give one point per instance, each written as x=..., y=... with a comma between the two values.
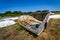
x=29, y=5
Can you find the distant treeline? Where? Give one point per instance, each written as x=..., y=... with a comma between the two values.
x=56, y=12
x=18, y=13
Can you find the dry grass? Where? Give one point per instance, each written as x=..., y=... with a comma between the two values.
x=52, y=32
x=15, y=32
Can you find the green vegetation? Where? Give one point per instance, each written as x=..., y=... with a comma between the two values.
x=18, y=13
x=56, y=12
x=15, y=32
x=19, y=27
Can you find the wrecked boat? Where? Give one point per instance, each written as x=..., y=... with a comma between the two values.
x=34, y=23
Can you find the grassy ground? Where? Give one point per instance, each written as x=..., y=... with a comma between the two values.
x=16, y=32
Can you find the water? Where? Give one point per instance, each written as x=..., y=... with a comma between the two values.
x=34, y=27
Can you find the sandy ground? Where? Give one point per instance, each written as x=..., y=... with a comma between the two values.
x=7, y=21
x=54, y=17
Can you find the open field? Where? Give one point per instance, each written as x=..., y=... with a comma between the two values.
x=16, y=32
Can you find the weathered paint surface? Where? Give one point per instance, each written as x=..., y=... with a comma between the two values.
x=39, y=30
